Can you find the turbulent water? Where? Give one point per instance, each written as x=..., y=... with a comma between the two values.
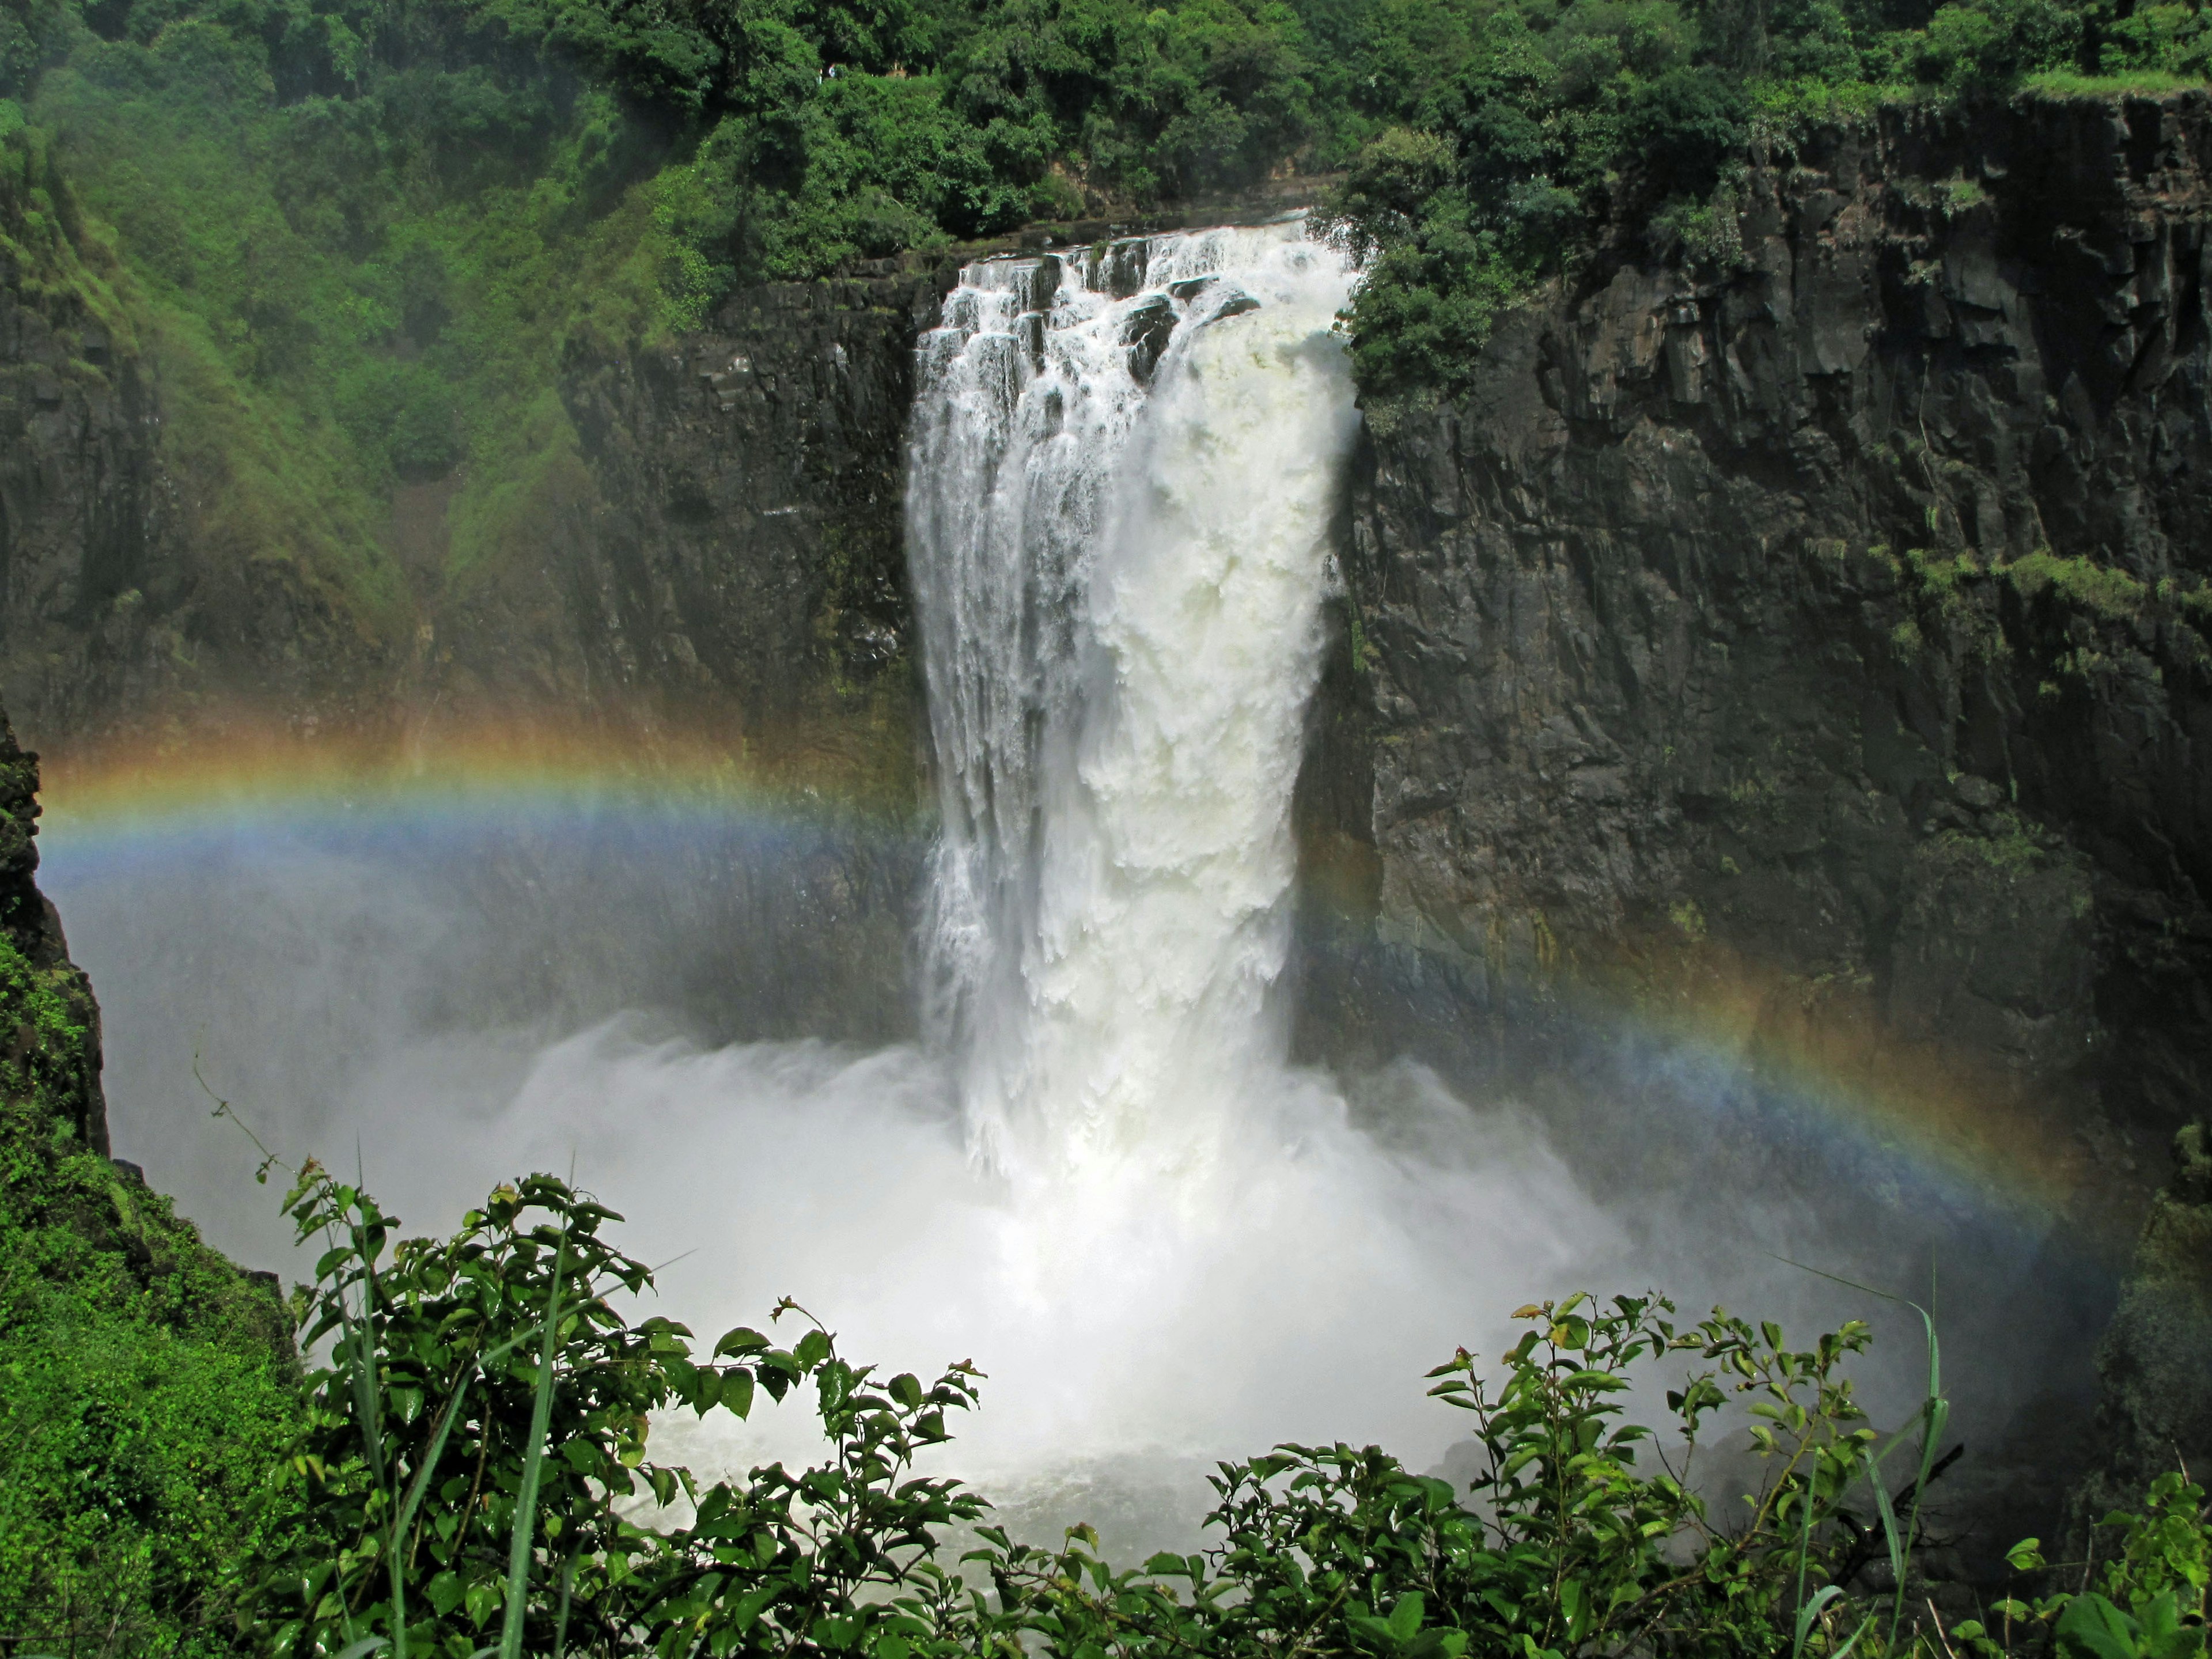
x=1124, y=467
x=1101, y=1178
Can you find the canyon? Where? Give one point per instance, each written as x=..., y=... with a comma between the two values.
x=1793, y=649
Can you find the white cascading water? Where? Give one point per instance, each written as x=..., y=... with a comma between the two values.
x=1124, y=467
x=1105, y=1181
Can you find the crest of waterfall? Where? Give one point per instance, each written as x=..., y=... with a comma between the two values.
x=1125, y=466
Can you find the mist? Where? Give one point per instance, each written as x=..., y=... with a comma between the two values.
x=1092, y=1171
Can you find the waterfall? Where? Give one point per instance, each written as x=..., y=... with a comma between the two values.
x=1124, y=465
x=1103, y=1181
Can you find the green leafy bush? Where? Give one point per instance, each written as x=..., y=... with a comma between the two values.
x=1627, y=114
x=472, y=1446
x=476, y=1447
x=145, y=1384
x=2152, y=1604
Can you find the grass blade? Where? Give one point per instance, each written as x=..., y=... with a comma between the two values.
x=533, y=1469
x=561, y=1623
x=1806, y=1611
x=1888, y=1513
x=1843, y=1651
x=421, y=1484
x=360, y=1372
x=1935, y=1412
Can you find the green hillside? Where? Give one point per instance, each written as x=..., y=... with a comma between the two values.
x=359, y=237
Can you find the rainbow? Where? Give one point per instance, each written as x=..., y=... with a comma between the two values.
x=146, y=792
x=1965, y=1126
x=1696, y=1022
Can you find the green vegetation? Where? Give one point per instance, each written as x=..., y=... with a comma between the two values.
x=472, y=1452
x=145, y=1384
x=2101, y=590
x=469, y=1473
x=2010, y=846
x=1565, y=121
x=360, y=236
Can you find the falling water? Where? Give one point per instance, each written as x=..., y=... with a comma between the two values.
x=1102, y=1181
x=1124, y=467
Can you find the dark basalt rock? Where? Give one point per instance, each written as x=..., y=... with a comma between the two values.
x=1234, y=303
x=2155, y=1362
x=1146, y=330
x=743, y=542
x=1819, y=637
x=32, y=926
x=1117, y=269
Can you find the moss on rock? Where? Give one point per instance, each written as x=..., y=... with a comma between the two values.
x=146, y=1384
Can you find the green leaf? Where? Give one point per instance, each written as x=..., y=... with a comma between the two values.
x=811, y=1349
x=1574, y=1603
x=2093, y=1628
x=2164, y=1635
x=533, y=1467
x=1406, y=1617
x=736, y=1391
x=482, y=1600
x=749, y=1605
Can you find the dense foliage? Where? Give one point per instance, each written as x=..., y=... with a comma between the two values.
x=472, y=1467
x=145, y=1384
x=358, y=233
x=358, y=237
x=1631, y=118
x=473, y=1450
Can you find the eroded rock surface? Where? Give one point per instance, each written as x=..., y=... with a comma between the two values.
x=1820, y=632
x=50, y=1027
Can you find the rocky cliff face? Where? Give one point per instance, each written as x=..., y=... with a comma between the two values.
x=123, y=597
x=734, y=538
x=725, y=548
x=76, y=462
x=2155, y=1394
x=47, y=1008
x=716, y=568
x=1803, y=650
x=1834, y=614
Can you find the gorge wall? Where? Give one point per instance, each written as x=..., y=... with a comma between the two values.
x=1794, y=645
x=714, y=566
x=723, y=542
x=1815, y=632
x=1799, y=652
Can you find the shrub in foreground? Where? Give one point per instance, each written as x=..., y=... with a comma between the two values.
x=473, y=1477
